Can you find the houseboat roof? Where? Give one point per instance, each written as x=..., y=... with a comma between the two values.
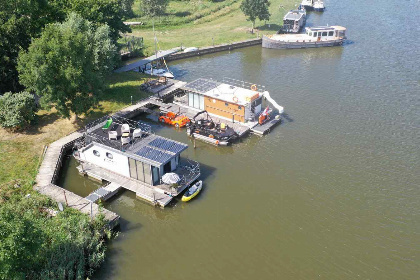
x=221, y=91
x=149, y=148
x=318, y=28
x=294, y=15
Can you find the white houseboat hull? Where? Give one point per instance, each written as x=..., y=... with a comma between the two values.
x=276, y=44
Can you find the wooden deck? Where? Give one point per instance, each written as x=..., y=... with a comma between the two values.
x=159, y=195
x=48, y=173
x=261, y=130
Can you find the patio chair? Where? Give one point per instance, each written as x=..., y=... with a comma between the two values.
x=112, y=135
x=125, y=140
x=125, y=130
x=137, y=133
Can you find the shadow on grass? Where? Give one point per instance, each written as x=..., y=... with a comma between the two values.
x=267, y=27
x=182, y=14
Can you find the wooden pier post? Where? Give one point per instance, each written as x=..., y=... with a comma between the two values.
x=65, y=197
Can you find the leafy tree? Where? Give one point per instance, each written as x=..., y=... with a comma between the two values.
x=153, y=8
x=110, y=12
x=17, y=110
x=19, y=21
x=22, y=20
x=254, y=9
x=67, y=65
x=34, y=245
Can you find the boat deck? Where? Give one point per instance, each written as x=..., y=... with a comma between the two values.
x=159, y=195
x=261, y=130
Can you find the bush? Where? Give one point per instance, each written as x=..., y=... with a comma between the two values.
x=34, y=245
x=17, y=109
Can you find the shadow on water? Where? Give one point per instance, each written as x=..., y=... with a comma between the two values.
x=287, y=118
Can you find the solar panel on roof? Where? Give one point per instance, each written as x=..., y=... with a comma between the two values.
x=202, y=85
x=168, y=145
x=154, y=155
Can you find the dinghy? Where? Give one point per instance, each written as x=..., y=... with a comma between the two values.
x=192, y=191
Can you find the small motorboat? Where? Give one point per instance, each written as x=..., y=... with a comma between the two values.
x=160, y=73
x=190, y=49
x=319, y=6
x=192, y=191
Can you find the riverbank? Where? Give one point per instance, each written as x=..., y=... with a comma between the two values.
x=190, y=26
x=20, y=152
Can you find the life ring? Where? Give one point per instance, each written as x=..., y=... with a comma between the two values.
x=211, y=136
x=254, y=87
x=235, y=99
x=217, y=142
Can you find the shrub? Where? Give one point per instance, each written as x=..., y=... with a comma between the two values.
x=17, y=109
x=34, y=245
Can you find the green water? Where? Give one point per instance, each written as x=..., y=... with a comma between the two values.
x=331, y=193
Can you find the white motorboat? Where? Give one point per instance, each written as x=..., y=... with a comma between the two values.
x=159, y=72
x=319, y=6
x=315, y=37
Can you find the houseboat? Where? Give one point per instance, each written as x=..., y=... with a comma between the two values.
x=126, y=152
x=308, y=4
x=233, y=106
x=315, y=37
x=294, y=21
x=319, y=6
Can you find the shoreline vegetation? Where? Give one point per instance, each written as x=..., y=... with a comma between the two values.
x=204, y=23
x=197, y=24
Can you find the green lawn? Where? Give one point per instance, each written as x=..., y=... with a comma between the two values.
x=200, y=23
x=20, y=152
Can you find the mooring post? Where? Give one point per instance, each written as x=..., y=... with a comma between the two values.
x=131, y=100
x=194, y=143
x=65, y=197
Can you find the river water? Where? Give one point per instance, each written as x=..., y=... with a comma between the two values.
x=331, y=193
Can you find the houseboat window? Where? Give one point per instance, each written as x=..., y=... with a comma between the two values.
x=155, y=174
x=331, y=33
x=191, y=99
x=139, y=169
x=315, y=33
x=147, y=174
x=96, y=153
x=109, y=155
x=324, y=33
x=226, y=104
x=239, y=107
x=310, y=33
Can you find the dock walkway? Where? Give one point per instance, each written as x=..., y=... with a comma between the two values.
x=144, y=61
x=48, y=174
x=143, y=191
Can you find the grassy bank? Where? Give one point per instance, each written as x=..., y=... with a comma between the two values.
x=202, y=23
x=20, y=152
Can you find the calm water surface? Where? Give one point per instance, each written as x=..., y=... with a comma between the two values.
x=332, y=193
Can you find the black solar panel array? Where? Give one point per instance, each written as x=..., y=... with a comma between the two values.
x=201, y=85
x=154, y=154
x=168, y=145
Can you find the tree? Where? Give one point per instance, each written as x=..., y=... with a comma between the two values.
x=110, y=12
x=19, y=21
x=17, y=110
x=67, y=65
x=153, y=8
x=34, y=245
x=22, y=20
x=254, y=9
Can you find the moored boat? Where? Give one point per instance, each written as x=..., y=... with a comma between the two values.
x=319, y=6
x=192, y=191
x=210, y=132
x=159, y=72
x=294, y=21
x=308, y=4
x=315, y=37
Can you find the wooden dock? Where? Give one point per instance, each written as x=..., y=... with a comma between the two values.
x=261, y=130
x=159, y=195
x=48, y=174
x=142, y=62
